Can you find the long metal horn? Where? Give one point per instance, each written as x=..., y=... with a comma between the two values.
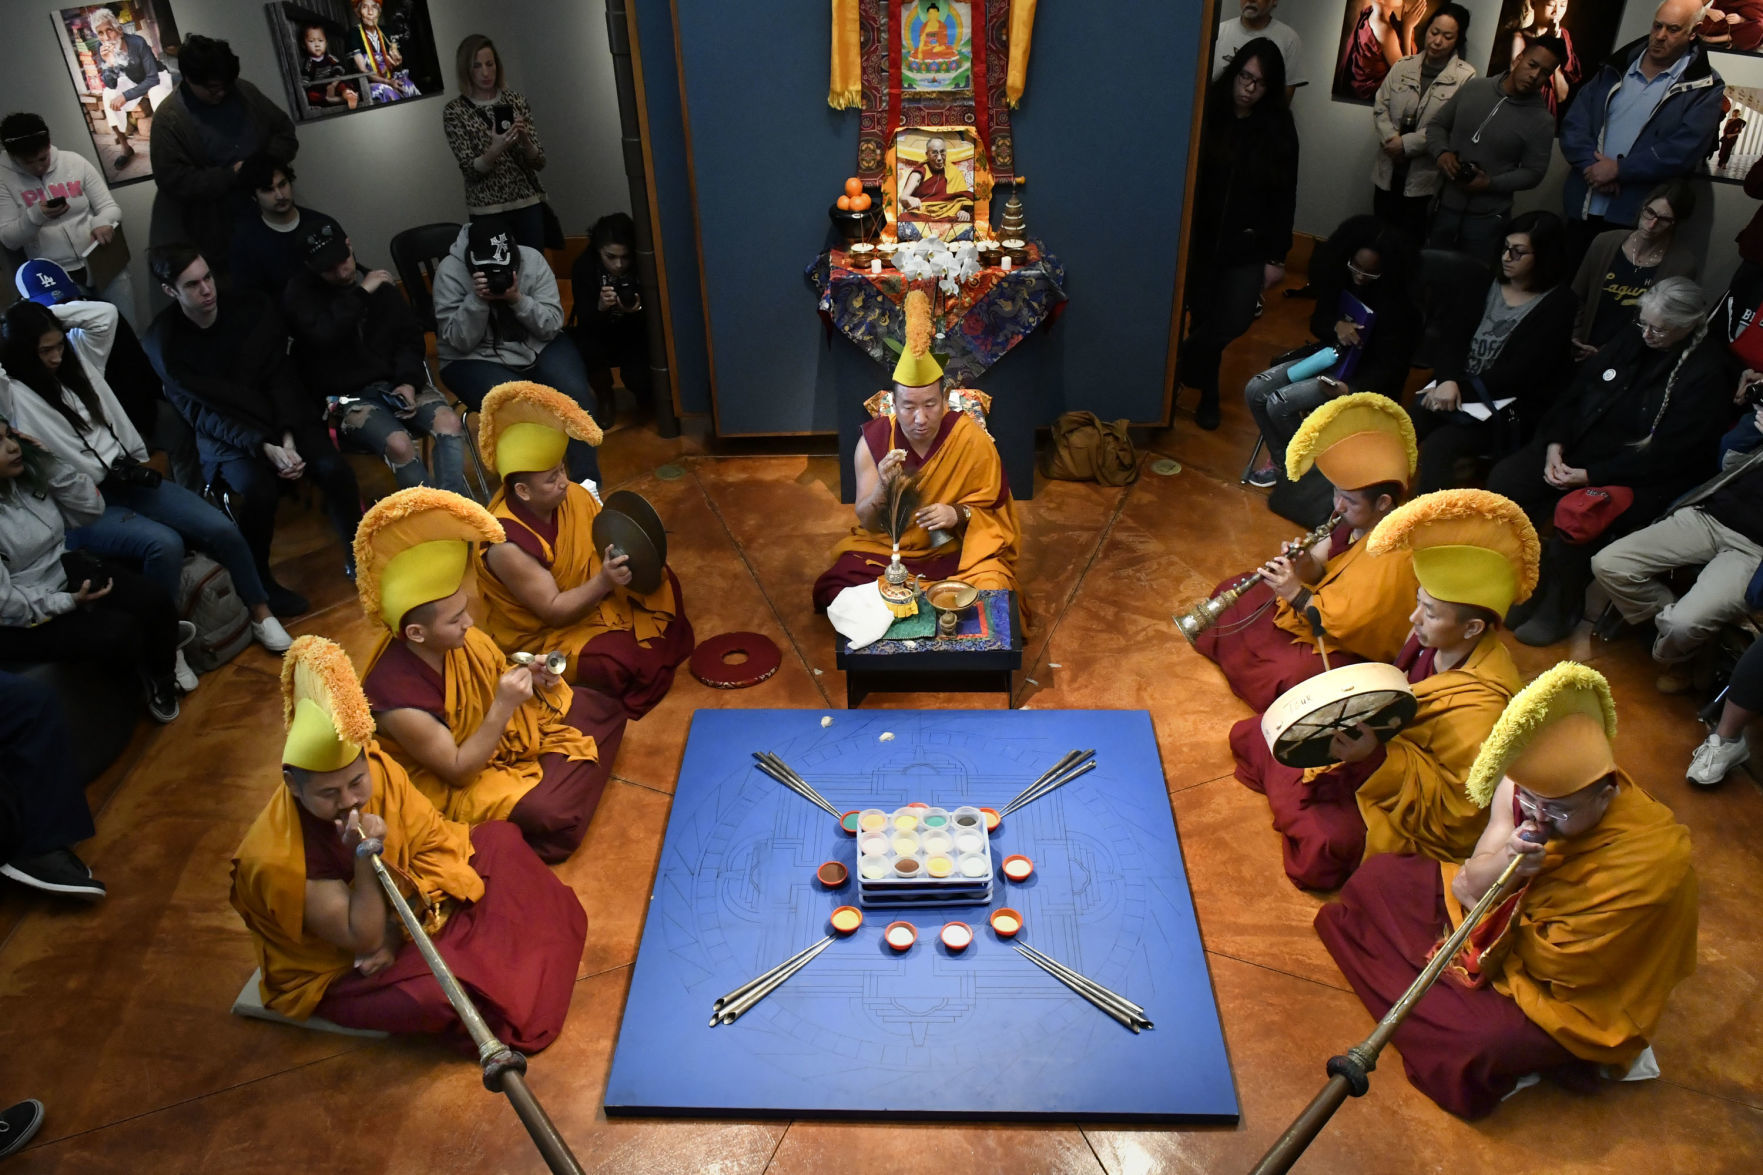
x=1205, y=614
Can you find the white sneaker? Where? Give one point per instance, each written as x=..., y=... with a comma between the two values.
x=184, y=675
x=271, y=635
x=593, y=488
x=1715, y=758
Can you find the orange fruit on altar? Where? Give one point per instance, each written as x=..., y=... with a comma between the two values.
x=844, y=203
x=853, y=187
x=860, y=202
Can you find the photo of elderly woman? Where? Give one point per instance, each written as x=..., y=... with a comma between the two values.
x=117, y=56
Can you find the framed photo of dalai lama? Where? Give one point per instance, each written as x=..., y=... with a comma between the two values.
x=935, y=174
x=121, y=59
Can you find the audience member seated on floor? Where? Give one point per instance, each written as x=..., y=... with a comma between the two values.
x=1372, y=264
x=202, y=136
x=483, y=739
x=1474, y=553
x=501, y=320
x=270, y=234
x=1724, y=750
x=1404, y=175
x=1718, y=526
x=43, y=811
x=327, y=941
x=1511, y=344
x=1334, y=593
x=547, y=588
x=227, y=369
x=1648, y=115
x=1623, y=264
x=1568, y=975
x=1492, y=140
x=1245, y=201
x=358, y=345
x=965, y=526
x=61, y=605
x=52, y=386
x=55, y=206
x=607, y=320
x=1641, y=418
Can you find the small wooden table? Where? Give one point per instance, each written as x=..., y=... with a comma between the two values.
x=963, y=664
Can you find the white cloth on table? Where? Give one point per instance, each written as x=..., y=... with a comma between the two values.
x=860, y=615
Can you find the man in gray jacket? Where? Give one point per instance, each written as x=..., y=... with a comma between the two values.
x=1492, y=140
x=499, y=319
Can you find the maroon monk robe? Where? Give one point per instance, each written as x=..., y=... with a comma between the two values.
x=554, y=815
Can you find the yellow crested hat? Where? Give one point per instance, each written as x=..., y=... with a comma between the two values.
x=326, y=713
x=1470, y=547
x=1553, y=739
x=414, y=547
x=917, y=367
x=1358, y=440
x=526, y=427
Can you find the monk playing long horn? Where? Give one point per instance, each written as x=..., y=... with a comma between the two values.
x=326, y=938
x=966, y=527
x=1336, y=593
x=1568, y=976
x=483, y=740
x=547, y=587
x=1475, y=554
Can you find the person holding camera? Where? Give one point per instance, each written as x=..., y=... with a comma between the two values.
x=1491, y=140
x=61, y=605
x=608, y=320
x=358, y=345
x=52, y=383
x=500, y=319
x=490, y=130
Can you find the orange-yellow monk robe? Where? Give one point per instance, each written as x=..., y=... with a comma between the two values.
x=511, y=932
x=1575, y=969
x=961, y=468
x=1265, y=647
x=547, y=771
x=1408, y=796
x=627, y=646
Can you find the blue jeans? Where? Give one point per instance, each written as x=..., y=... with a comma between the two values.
x=559, y=366
x=1280, y=406
x=1479, y=234
x=370, y=425
x=152, y=526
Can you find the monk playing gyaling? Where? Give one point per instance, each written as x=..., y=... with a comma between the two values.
x=327, y=940
x=1566, y=977
x=482, y=739
x=1475, y=554
x=547, y=587
x=1334, y=593
x=966, y=527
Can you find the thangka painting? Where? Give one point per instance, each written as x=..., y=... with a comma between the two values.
x=121, y=60
x=340, y=56
x=936, y=46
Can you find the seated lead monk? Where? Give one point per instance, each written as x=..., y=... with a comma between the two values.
x=547, y=588
x=327, y=940
x=1474, y=553
x=482, y=739
x=1570, y=972
x=1356, y=606
x=966, y=500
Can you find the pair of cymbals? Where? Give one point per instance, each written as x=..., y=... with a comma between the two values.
x=628, y=522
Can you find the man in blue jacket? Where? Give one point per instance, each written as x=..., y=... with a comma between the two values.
x=1649, y=115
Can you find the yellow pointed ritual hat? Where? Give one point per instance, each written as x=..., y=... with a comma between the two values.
x=917, y=367
x=325, y=712
x=1358, y=440
x=1553, y=739
x=414, y=547
x=527, y=426
x=1470, y=547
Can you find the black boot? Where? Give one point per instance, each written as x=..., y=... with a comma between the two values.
x=1207, y=415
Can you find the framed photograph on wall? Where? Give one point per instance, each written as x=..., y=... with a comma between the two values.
x=121, y=59
x=936, y=46
x=1371, y=41
x=1588, y=27
x=341, y=56
x=934, y=183
x=1734, y=26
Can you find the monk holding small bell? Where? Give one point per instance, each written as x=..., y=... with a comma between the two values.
x=1567, y=976
x=547, y=587
x=1334, y=594
x=1475, y=554
x=482, y=739
x=965, y=527
x=328, y=942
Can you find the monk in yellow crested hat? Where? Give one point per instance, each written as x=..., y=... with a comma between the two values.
x=326, y=940
x=482, y=739
x=546, y=588
x=963, y=523
x=1329, y=593
x=1575, y=964
x=1470, y=547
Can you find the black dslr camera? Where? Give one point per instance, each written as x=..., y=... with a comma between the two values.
x=499, y=278
x=126, y=471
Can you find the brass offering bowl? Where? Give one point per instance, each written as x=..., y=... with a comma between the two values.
x=950, y=598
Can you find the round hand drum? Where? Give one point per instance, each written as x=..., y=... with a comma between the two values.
x=1303, y=721
x=628, y=522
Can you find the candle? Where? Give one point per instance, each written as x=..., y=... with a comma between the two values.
x=1006, y=263
x=875, y=266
